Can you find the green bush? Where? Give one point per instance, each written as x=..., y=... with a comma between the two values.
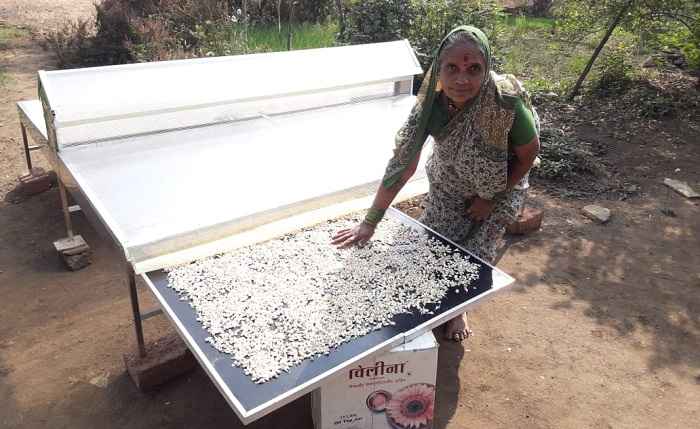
x=423, y=22
x=102, y=42
x=216, y=39
x=436, y=18
x=613, y=71
x=681, y=38
x=373, y=21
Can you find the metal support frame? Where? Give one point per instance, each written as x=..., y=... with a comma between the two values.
x=26, y=147
x=136, y=310
x=65, y=208
x=68, y=209
x=153, y=313
x=138, y=327
x=131, y=276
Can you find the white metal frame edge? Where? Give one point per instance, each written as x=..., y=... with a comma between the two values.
x=248, y=416
x=155, y=64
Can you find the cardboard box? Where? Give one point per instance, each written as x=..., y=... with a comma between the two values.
x=393, y=391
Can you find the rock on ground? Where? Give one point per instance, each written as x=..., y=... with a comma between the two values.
x=596, y=213
x=682, y=188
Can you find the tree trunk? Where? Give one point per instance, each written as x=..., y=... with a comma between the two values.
x=616, y=21
x=245, y=24
x=279, y=16
x=289, y=27
x=341, y=18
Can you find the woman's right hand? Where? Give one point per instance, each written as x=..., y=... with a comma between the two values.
x=358, y=235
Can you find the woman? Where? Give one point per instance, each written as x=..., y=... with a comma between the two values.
x=485, y=143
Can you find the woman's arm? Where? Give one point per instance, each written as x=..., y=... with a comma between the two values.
x=384, y=196
x=362, y=232
x=408, y=143
x=525, y=156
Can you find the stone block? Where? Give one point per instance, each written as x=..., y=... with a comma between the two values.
x=682, y=188
x=165, y=359
x=36, y=182
x=596, y=213
x=74, y=252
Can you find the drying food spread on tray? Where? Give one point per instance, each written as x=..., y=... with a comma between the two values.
x=274, y=304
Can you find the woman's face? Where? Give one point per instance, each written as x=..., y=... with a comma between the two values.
x=462, y=69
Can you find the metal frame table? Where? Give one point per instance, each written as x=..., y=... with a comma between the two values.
x=126, y=182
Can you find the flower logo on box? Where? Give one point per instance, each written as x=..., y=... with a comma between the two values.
x=378, y=400
x=410, y=408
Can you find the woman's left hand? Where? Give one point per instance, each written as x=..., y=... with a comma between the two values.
x=480, y=209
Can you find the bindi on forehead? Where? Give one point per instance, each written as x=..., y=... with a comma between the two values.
x=471, y=58
x=466, y=54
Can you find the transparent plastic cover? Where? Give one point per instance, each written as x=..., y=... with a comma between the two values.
x=181, y=153
x=108, y=102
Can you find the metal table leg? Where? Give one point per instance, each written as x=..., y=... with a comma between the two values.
x=65, y=208
x=135, y=309
x=26, y=147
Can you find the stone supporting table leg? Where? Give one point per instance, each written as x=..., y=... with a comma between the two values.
x=158, y=361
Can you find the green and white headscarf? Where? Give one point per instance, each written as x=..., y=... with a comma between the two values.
x=410, y=139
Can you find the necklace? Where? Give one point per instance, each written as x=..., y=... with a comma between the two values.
x=452, y=108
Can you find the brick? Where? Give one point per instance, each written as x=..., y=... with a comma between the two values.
x=529, y=221
x=166, y=359
x=36, y=182
x=77, y=261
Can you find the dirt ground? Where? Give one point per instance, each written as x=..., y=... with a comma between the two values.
x=44, y=15
x=602, y=329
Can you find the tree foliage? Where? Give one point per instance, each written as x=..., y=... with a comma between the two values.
x=423, y=22
x=674, y=22
x=643, y=17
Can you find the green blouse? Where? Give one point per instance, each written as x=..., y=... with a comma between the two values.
x=522, y=132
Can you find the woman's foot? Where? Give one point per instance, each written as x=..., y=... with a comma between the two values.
x=457, y=329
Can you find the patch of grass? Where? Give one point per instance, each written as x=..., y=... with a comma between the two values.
x=522, y=22
x=233, y=38
x=8, y=34
x=3, y=77
x=304, y=36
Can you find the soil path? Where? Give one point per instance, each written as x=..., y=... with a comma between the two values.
x=601, y=331
x=44, y=15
